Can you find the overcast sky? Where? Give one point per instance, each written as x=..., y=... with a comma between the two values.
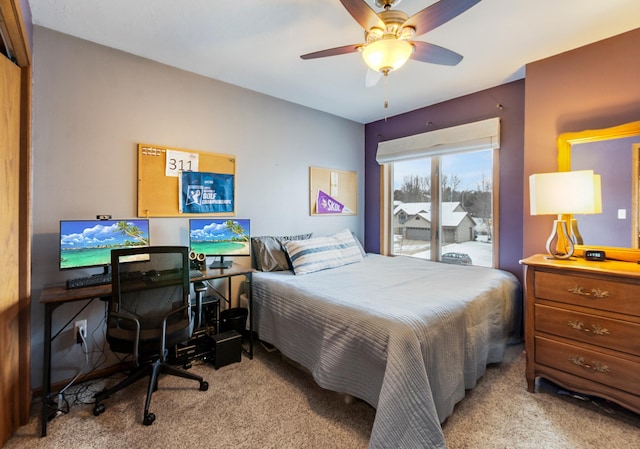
x=468, y=166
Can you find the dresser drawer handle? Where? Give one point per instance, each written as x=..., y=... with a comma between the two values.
x=595, y=292
x=595, y=328
x=595, y=366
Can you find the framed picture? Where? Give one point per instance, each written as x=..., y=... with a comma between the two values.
x=332, y=192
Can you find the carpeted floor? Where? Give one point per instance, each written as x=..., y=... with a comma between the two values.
x=269, y=403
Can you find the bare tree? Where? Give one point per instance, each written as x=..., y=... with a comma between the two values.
x=414, y=189
x=449, y=186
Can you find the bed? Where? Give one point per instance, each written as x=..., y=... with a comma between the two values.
x=408, y=336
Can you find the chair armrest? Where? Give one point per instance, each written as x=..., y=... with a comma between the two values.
x=199, y=288
x=136, y=322
x=164, y=326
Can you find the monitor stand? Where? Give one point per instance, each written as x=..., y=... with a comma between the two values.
x=221, y=264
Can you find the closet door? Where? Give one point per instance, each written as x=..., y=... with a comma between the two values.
x=9, y=248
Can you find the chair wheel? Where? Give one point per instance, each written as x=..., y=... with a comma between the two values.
x=204, y=385
x=98, y=409
x=149, y=418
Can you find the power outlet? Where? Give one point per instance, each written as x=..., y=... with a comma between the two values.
x=80, y=330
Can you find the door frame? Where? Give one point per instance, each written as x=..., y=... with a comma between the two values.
x=15, y=33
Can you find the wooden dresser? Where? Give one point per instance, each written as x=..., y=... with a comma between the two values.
x=582, y=326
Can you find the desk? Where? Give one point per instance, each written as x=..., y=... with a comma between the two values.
x=53, y=296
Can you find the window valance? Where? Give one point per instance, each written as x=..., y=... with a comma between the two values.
x=482, y=135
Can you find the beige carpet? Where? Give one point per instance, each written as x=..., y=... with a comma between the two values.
x=269, y=403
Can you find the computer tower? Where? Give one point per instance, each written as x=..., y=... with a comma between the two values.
x=228, y=348
x=198, y=347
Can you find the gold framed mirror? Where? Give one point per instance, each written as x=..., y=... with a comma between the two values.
x=570, y=141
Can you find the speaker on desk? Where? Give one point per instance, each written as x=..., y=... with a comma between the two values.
x=198, y=261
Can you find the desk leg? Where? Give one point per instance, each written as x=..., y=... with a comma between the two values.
x=250, y=280
x=46, y=370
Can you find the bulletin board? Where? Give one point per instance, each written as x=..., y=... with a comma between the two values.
x=158, y=180
x=332, y=192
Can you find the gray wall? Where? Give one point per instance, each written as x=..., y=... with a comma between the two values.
x=92, y=105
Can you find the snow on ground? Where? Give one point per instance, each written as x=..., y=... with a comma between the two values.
x=480, y=252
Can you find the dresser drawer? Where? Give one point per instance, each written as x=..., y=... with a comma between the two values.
x=588, y=292
x=596, y=330
x=589, y=364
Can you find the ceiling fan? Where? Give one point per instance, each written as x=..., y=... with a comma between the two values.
x=388, y=34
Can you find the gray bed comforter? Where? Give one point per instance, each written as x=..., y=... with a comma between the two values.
x=406, y=335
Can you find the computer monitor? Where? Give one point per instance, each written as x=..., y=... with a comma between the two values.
x=220, y=237
x=88, y=243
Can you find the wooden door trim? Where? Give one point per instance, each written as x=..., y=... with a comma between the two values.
x=16, y=34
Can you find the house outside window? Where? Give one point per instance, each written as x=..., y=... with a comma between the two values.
x=465, y=208
x=440, y=204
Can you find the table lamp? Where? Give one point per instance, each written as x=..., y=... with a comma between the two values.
x=564, y=193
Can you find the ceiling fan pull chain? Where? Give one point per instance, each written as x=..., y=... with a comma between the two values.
x=386, y=91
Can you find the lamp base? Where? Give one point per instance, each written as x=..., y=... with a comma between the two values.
x=552, y=257
x=559, y=244
x=576, y=237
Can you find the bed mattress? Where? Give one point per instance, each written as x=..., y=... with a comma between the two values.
x=408, y=336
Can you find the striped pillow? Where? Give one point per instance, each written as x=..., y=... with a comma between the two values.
x=321, y=253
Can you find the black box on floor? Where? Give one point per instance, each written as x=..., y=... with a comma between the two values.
x=228, y=348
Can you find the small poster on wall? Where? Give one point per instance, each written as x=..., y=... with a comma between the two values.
x=205, y=193
x=332, y=192
x=178, y=161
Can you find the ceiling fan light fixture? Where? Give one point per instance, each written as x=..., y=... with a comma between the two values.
x=386, y=55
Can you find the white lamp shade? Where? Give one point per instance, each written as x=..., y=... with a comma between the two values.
x=569, y=192
x=597, y=195
x=387, y=54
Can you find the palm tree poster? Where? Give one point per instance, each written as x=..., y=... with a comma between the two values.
x=206, y=193
x=89, y=243
x=220, y=236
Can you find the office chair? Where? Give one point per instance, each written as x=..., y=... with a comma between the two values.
x=149, y=312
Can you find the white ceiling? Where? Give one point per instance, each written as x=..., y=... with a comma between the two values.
x=256, y=44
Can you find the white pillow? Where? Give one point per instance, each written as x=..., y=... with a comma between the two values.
x=321, y=253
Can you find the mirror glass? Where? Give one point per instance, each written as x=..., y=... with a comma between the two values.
x=612, y=153
x=616, y=161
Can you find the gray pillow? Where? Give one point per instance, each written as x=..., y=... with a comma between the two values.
x=268, y=253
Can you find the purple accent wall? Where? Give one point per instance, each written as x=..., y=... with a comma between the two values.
x=470, y=108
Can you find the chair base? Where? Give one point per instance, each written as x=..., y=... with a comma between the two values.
x=153, y=370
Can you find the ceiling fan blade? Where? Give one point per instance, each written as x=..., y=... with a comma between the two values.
x=363, y=13
x=332, y=51
x=372, y=77
x=435, y=15
x=434, y=54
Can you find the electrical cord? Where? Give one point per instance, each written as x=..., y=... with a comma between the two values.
x=100, y=346
x=63, y=404
x=84, y=392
